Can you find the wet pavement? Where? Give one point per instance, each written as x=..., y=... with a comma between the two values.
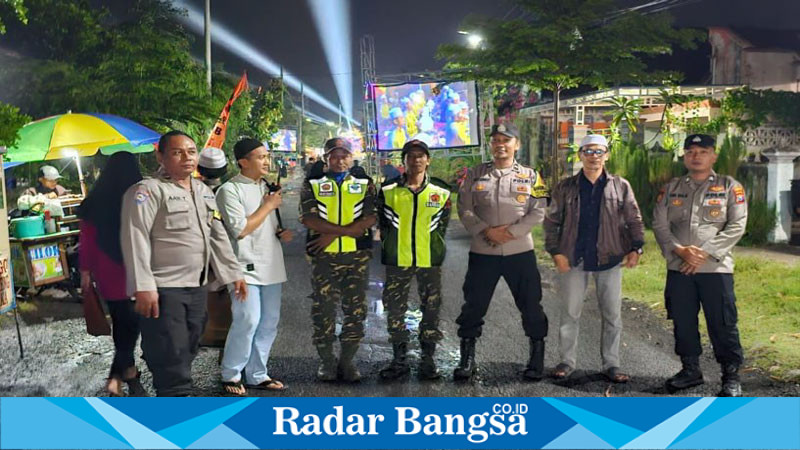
x=62, y=360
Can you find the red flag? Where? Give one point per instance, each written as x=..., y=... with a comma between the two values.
x=217, y=136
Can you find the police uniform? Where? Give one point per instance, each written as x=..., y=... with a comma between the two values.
x=413, y=226
x=170, y=238
x=711, y=215
x=339, y=273
x=491, y=197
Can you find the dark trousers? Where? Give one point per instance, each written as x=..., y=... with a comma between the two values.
x=170, y=342
x=395, y=301
x=521, y=275
x=125, y=331
x=684, y=296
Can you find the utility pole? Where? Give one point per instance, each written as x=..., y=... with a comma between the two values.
x=208, y=44
x=302, y=149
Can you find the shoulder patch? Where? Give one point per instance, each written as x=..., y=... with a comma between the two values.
x=142, y=194
x=738, y=192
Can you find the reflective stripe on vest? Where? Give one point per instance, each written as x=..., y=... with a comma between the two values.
x=340, y=205
x=415, y=217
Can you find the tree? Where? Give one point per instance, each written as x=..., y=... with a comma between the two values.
x=17, y=8
x=11, y=120
x=563, y=44
x=140, y=68
x=267, y=111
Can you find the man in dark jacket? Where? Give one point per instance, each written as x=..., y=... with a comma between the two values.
x=592, y=225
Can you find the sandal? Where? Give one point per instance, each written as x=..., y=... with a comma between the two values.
x=272, y=384
x=562, y=371
x=234, y=388
x=135, y=388
x=615, y=375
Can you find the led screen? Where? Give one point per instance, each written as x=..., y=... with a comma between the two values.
x=443, y=114
x=283, y=141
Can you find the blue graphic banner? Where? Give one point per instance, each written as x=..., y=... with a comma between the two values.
x=398, y=422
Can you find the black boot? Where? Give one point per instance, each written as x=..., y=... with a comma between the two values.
x=327, y=364
x=535, y=369
x=398, y=367
x=347, y=370
x=427, y=364
x=689, y=376
x=466, y=366
x=731, y=385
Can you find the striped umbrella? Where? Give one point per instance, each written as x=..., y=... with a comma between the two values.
x=70, y=135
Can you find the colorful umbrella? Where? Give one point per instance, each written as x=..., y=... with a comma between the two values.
x=69, y=135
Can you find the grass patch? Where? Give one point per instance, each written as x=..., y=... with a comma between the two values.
x=767, y=298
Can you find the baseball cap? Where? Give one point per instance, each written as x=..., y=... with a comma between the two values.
x=336, y=143
x=212, y=158
x=245, y=146
x=594, y=139
x=49, y=172
x=412, y=144
x=702, y=140
x=506, y=129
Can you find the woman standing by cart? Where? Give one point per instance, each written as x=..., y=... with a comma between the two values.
x=101, y=260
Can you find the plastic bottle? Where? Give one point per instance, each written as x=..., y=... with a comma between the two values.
x=49, y=223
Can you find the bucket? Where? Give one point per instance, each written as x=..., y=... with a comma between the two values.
x=30, y=226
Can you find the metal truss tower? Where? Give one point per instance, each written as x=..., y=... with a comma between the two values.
x=368, y=79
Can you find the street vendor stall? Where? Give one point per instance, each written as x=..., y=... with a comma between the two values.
x=39, y=255
x=42, y=260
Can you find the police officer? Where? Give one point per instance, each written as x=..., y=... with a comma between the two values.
x=338, y=208
x=172, y=234
x=698, y=219
x=413, y=212
x=498, y=203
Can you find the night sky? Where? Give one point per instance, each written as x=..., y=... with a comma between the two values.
x=407, y=33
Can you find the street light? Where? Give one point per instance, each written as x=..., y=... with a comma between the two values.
x=474, y=40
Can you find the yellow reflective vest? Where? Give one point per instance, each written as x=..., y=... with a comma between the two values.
x=413, y=225
x=342, y=204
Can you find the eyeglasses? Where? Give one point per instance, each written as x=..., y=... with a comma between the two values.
x=598, y=152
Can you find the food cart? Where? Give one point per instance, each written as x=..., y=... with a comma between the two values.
x=42, y=260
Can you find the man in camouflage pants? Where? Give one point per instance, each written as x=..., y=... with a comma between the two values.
x=413, y=212
x=338, y=208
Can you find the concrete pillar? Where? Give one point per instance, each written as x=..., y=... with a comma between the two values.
x=780, y=171
x=579, y=132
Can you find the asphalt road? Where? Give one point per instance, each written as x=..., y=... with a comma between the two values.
x=61, y=360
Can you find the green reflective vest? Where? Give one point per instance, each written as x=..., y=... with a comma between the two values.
x=342, y=205
x=413, y=226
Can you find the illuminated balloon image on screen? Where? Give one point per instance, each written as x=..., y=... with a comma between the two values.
x=443, y=115
x=283, y=141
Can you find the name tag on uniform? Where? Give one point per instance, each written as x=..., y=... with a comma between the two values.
x=434, y=201
x=519, y=179
x=354, y=189
x=326, y=189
